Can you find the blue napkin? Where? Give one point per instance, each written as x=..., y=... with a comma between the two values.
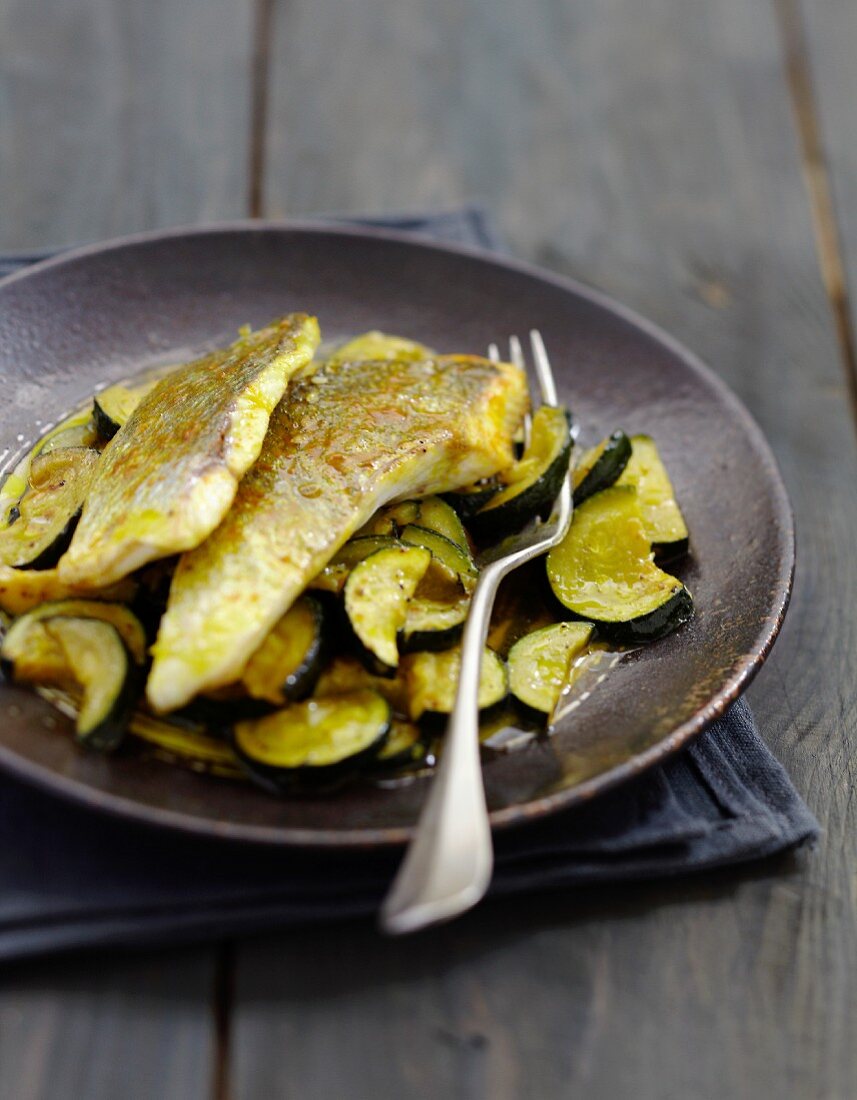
x=67, y=882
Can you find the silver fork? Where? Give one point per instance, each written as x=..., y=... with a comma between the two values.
x=448, y=864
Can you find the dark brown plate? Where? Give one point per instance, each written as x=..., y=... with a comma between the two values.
x=102, y=313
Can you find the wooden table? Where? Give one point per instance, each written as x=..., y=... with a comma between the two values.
x=697, y=160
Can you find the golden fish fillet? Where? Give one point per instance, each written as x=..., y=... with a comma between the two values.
x=345, y=440
x=169, y=475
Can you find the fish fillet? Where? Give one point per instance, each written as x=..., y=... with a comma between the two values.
x=169, y=475
x=345, y=440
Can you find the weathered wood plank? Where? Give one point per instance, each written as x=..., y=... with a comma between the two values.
x=118, y=117
x=822, y=39
x=103, y=1026
x=651, y=150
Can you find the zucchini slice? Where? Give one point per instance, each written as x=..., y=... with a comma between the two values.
x=430, y=513
x=346, y=674
x=453, y=557
x=48, y=512
x=438, y=609
x=533, y=483
x=468, y=501
x=376, y=601
x=404, y=747
x=603, y=571
x=287, y=664
x=128, y=626
x=662, y=518
x=196, y=750
x=601, y=466
x=112, y=407
x=432, y=680
x=334, y=575
x=83, y=654
x=106, y=673
x=31, y=655
x=539, y=663
x=319, y=740
x=379, y=345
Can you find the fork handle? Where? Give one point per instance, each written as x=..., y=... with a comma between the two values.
x=448, y=865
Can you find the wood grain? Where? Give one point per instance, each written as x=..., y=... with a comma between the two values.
x=820, y=38
x=651, y=150
x=104, y=1026
x=121, y=116
x=116, y=117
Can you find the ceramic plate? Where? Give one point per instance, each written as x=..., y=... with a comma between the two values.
x=103, y=313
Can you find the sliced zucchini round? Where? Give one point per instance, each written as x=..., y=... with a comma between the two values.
x=191, y=747
x=106, y=674
x=48, y=512
x=603, y=571
x=434, y=623
x=437, y=515
x=112, y=407
x=85, y=655
x=432, y=680
x=539, y=663
x=430, y=513
x=287, y=664
x=376, y=601
x=32, y=655
x=127, y=624
x=334, y=575
x=454, y=557
x=404, y=747
x=662, y=518
x=345, y=674
x=316, y=741
x=601, y=466
x=391, y=519
x=534, y=482
x=467, y=502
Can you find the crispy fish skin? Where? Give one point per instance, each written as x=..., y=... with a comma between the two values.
x=345, y=440
x=169, y=475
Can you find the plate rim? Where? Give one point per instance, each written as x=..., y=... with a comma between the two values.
x=269, y=836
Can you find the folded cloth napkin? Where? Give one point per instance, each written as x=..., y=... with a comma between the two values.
x=66, y=882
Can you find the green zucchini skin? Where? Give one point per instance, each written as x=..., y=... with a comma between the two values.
x=539, y=663
x=405, y=748
x=672, y=614
x=437, y=638
x=494, y=520
x=48, y=512
x=105, y=426
x=665, y=524
x=467, y=502
x=292, y=680
x=607, y=468
x=432, y=704
x=602, y=572
x=51, y=554
x=374, y=626
x=316, y=778
x=90, y=652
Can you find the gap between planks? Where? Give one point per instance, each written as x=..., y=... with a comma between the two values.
x=259, y=89
x=816, y=174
